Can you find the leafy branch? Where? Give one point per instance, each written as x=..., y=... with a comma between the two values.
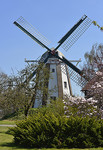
x=96, y=24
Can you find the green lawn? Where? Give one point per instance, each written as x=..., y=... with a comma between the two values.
x=6, y=141
x=7, y=122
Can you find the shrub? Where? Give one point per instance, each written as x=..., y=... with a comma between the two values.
x=48, y=129
x=55, y=107
x=38, y=131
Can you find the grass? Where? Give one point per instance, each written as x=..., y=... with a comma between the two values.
x=6, y=140
x=7, y=122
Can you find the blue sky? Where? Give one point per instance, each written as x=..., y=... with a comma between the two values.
x=53, y=18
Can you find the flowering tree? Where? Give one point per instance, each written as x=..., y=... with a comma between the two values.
x=79, y=106
x=96, y=89
x=93, y=71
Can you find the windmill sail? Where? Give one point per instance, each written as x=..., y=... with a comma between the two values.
x=75, y=77
x=66, y=42
x=75, y=73
x=32, y=32
x=79, y=80
x=75, y=32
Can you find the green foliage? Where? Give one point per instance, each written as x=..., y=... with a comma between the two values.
x=95, y=23
x=101, y=28
x=17, y=92
x=6, y=142
x=47, y=129
x=55, y=107
x=19, y=115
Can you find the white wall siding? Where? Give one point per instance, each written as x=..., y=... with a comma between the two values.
x=66, y=91
x=52, y=86
x=38, y=99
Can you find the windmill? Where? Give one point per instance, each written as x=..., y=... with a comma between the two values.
x=60, y=68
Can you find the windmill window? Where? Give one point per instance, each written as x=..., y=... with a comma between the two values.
x=53, y=70
x=53, y=97
x=65, y=84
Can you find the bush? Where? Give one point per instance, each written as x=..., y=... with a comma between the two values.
x=55, y=107
x=37, y=131
x=83, y=132
x=48, y=129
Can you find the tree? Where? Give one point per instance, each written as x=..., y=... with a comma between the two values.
x=93, y=61
x=20, y=91
x=93, y=71
x=4, y=83
x=30, y=89
x=80, y=106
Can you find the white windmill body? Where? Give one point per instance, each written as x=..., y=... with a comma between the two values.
x=59, y=81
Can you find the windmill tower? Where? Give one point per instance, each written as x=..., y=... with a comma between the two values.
x=60, y=68
x=59, y=80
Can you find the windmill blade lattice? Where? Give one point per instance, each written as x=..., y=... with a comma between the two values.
x=76, y=34
x=79, y=80
x=22, y=22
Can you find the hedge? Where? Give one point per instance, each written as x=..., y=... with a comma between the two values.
x=49, y=130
